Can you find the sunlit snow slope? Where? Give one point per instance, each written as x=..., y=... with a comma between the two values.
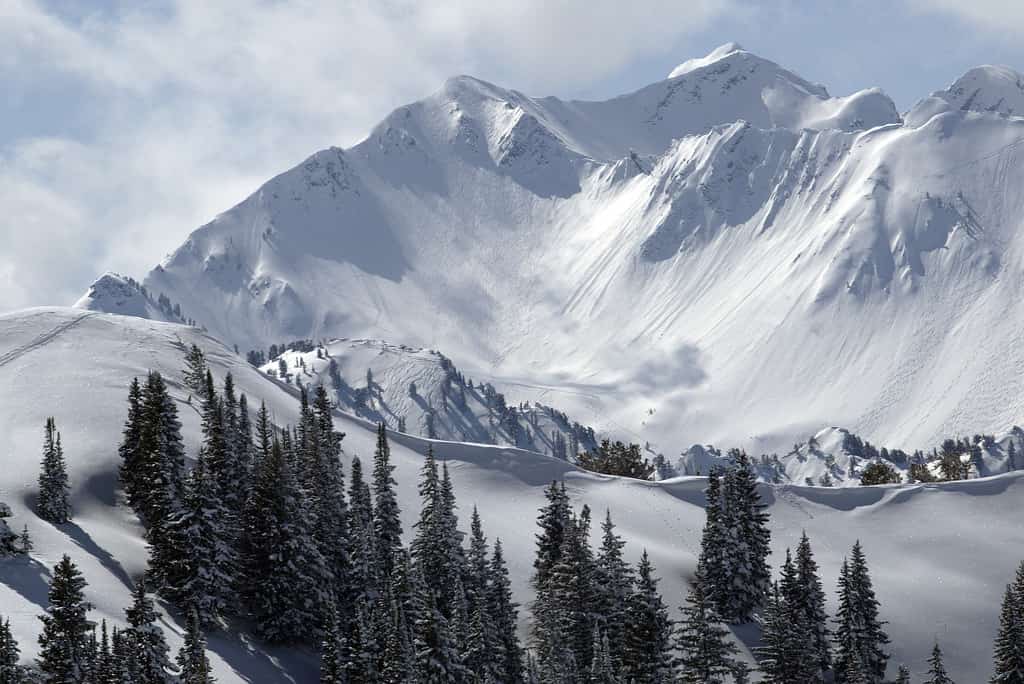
x=729, y=255
x=940, y=554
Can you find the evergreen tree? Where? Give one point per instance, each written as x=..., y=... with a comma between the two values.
x=209, y=568
x=1009, y=644
x=130, y=468
x=104, y=670
x=387, y=523
x=613, y=584
x=25, y=545
x=362, y=553
x=647, y=631
x=714, y=542
x=810, y=600
x=903, y=675
x=553, y=521
x=122, y=656
x=147, y=639
x=64, y=647
x=287, y=578
x=195, y=372
x=747, y=556
x=10, y=671
x=324, y=485
x=8, y=539
x=53, y=502
x=332, y=667
x=859, y=636
x=602, y=670
x=788, y=653
x=936, y=670
x=437, y=654
x=508, y=654
x=193, y=665
x=706, y=656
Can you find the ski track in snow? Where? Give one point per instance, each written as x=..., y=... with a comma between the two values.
x=42, y=340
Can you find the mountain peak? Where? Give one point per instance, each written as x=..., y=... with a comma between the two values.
x=719, y=53
x=988, y=88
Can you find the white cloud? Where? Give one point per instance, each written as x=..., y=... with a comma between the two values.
x=174, y=112
x=1004, y=18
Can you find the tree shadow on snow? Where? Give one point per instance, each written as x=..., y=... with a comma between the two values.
x=254, y=662
x=28, y=577
x=82, y=538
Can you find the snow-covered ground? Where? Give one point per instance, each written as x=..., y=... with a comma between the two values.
x=940, y=554
x=730, y=255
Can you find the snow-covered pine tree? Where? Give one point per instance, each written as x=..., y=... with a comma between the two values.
x=706, y=656
x=936, y=669
x=236, y=468
x=859, y=637
x=210, y=565
x=10, y=671
x=429, y=549
x=453, y=594
x=25, y=544
x=193, y=664
x=52, y=504
x=714, y=543
x=647, y=633
x=332, y=666
x=903, y=675
x=748, y=546
x=788, y=653
x=150, y=650
x=195, y=372
x=287, y=584
x=553, y=520
x=64, y=645
x=387, y=522
x=613, y=583
x=1008, y=650
x=104, y=669
x=8, y=539
x=122, y=658
x=503, y=611
x=437, y=653
x=361, y=551
x=129, y=470
x=325, y=491
x=602, y=670
x=398, y=664
x=480, y=637
x=810, y=599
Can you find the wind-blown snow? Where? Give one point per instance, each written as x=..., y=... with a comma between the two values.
x=939, y=554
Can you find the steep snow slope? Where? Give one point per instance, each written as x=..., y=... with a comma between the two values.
x=115, y=293
x=940, y=554
x=729, y=255
x=421, y=392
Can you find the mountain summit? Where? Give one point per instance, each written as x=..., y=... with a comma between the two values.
x=728, y=254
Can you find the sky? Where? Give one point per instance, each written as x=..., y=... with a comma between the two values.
x=126, y=125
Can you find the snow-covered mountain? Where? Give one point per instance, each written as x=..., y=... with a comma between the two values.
x=940, y=554
x=729, y=255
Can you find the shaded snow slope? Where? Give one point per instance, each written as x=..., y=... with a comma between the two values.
x=726, y=256
x=939, y=554
x=421, y=392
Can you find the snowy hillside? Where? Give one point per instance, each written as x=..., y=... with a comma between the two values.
x=421, y=392
x=118, y=294
x=943, y=579
x=730, y=255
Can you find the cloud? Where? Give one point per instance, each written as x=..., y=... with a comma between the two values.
x=132, y=123
x=1004, y=18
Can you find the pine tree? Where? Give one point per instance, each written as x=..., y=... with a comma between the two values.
x=387, y=523
x=602, y=670
x=10, y=671
x=124, y=665
x=508, y=654
x=903, y=675
x=53, y=502
x=193, y=665
x=64, y=648
x=437, y=654
x=859, y=636
x=480, y=646
x=613, y=583
x=747, y=556
x=647, y=631
x=788, y=654
x=714, y=542
x=147, y=638
x=706, y=656
x=553, y=521
x=810, y=599
x=332, y=667
x=104, y=670
x=1009, y=644
x=195, y=372
x=8, y=539
x=362, y=552
x=25, y=544
x=287, y=578
x=129, y=470
x=936, y=670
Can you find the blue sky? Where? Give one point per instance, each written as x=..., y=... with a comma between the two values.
x=124, y=125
